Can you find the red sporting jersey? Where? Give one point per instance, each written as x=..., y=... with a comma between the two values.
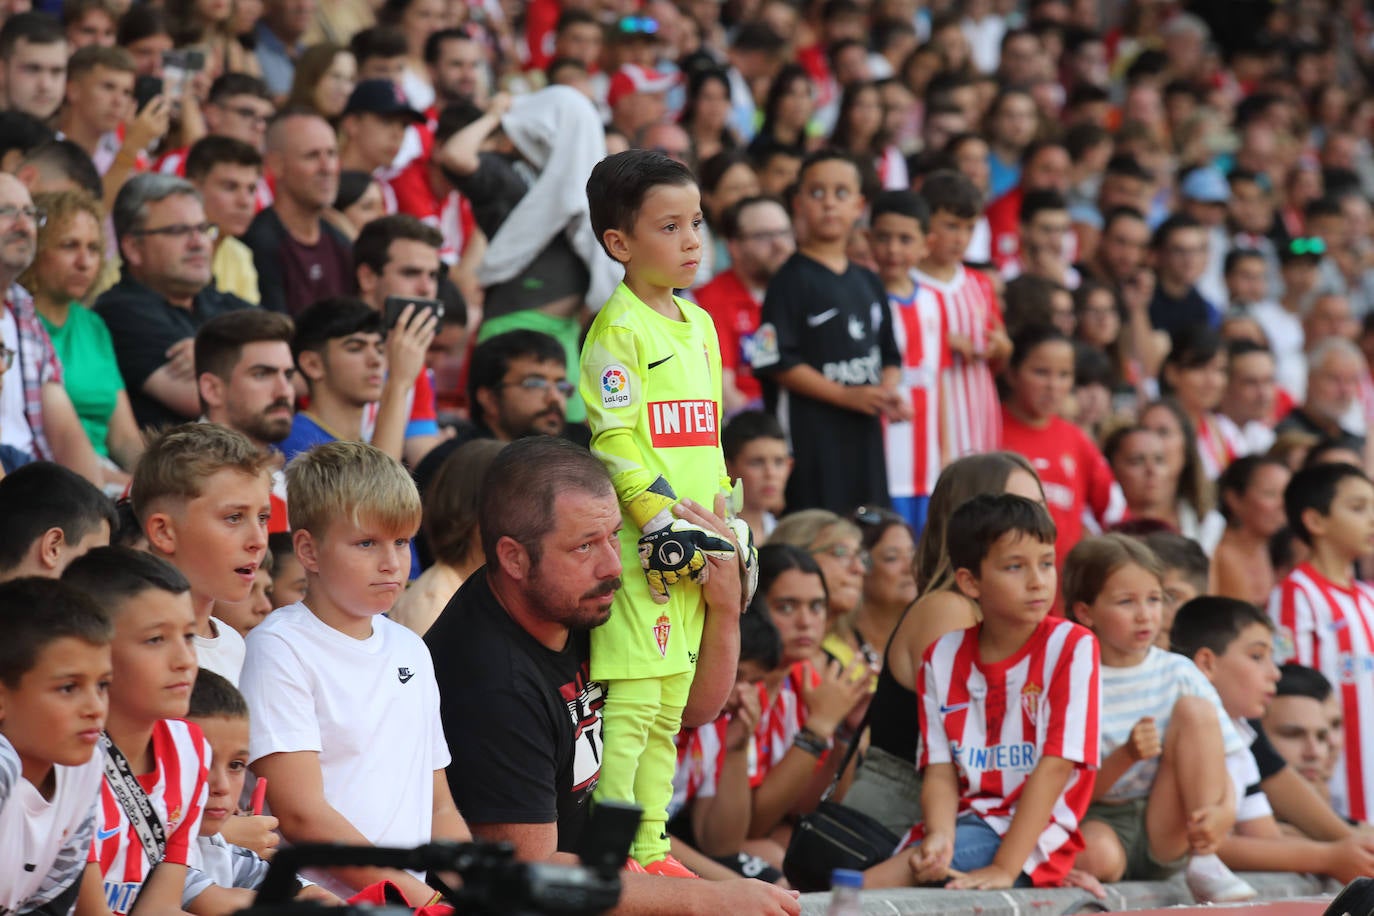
x=1073, y=472
x=177, y=789
x=970, y=406
x=914, y=448
x=736, y=315
x=996, y=722
x=780, y=722
x=1331, y=628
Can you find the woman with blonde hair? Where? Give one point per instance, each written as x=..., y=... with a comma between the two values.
x=69, y=257
x=450, y=526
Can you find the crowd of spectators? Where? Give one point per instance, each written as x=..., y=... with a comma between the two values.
x=1115, y=258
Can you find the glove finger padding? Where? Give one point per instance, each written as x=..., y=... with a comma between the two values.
x=677, y=551
x=748, y=557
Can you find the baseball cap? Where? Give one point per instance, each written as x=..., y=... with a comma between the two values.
x=632, y=78
x=1206, y=185
x=380, y=97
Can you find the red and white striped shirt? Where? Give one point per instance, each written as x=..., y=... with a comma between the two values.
x=700, y=756
x=177, y=788
x=970, y=408
x=996, y=722
x=782, y=718
x=914, y=458
x=1331, y=628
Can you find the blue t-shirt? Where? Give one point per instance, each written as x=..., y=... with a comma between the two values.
x=306, y=433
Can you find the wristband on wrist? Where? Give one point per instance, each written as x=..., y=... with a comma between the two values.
x=811, y=743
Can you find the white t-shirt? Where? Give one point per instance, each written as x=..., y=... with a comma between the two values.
x=1286, y=338
x=14, y=426
x=369, y=707
x=1251, y=802
x=222, y=654
x=49, y=839
x=1151, y=688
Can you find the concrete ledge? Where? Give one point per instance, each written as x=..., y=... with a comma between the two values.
x=1128, y=895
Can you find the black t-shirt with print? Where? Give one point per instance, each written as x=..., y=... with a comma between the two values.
x=523, y=722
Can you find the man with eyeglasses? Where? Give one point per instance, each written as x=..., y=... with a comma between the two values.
x=517, y=387
x=758, y=235
x=240, y=107
x=165, y=294
x=36, y=415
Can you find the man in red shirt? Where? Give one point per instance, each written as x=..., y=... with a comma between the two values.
x=758, y=235
x=1044, y=167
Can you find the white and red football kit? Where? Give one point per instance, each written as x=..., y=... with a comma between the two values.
x=970, y=408
x=1330, y=627
x=996, y=722
x=914, y=458
x=177, y=789
x=782, y=718
x=700, y=756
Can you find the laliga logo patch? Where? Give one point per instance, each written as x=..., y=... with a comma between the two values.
x=615, y=386
x=661, y=629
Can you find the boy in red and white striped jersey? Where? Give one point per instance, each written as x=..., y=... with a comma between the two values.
x=1008, y=717
x=973, y=329
x=1325, y=617
x=156, y=764
x=898, y=239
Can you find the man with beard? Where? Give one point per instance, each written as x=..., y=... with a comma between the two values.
x=511, y=653
x=299, y=256
x=758, y=235
x=244, y=373
x=164, y=296
x=36, y=415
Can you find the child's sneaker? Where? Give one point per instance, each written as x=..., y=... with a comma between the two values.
x=1210, y=881
x=669, y=867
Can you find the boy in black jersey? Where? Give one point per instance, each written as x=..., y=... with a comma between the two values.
x=825, y=350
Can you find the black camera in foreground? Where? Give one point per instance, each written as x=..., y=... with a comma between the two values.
x=493, y=882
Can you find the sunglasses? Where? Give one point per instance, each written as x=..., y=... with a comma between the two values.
x=1307, y=246
x=875, y=515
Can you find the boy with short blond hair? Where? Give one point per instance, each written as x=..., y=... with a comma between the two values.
x=50, y=767
x=334, y=687
x=155, y=765
x=1008, y=716
x=203, y=495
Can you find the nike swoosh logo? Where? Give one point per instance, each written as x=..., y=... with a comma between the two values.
x=405, y=678
x=658, y=362
x=953, y=707
x=103, y=835
x=816, y=321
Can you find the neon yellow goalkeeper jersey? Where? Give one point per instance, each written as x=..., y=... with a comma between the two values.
x=652, y=386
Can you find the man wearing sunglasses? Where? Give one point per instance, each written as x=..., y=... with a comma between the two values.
x=164, y=296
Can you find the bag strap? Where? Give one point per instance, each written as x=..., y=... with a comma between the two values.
x=135, y=802
x=848, y=754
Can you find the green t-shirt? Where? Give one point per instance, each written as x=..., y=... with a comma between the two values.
x=652, y=389
x=89, y=369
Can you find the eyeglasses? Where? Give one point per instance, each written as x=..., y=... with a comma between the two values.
x=251, y=115
x=6, y=358
x=637, y=25
x=542, y=385
x=181, y=231
x=37, y=215
x=844, y=553
x=1307, y=246
x=767, y=235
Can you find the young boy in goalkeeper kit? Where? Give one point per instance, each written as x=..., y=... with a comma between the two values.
x=651, y=380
